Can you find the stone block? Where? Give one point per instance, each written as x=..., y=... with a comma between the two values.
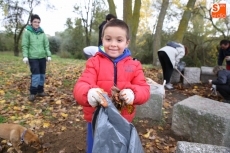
x=189, y=147
x=207, y=74
x=153, y=107
x=192, y=74
x=175, y=78
x=202, y=120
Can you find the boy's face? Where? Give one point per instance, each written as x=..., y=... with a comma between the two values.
x=35, y=23
x=114, y=41
x=224, y=46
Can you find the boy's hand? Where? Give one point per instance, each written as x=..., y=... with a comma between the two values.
x=127, y=95
x=48, y=59
x=25, y=60
x=94, y=97
x=210, y=81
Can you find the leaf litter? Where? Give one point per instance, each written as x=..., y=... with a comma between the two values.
x=58, y=119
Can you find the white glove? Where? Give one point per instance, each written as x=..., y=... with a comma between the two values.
x=25, y=60
x=93, y=96
x=48, y=59
x=210, y=81
x=227, y=58
x=213, y=89
x=127, y=95
x=175, y=66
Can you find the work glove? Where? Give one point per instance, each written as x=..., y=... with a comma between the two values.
x=210, y=81
x=25, y=60
x=127, y=95
x=227, y=58
x=94, y=97
x=48, y=59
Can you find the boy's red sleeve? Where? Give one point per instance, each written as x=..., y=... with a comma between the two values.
x=139, y=86
x=85, y=82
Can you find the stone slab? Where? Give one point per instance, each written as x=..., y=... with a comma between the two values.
x=153, y=107
x=202, y=120
x=189, y=147
x=192, y=74
x=175, y=78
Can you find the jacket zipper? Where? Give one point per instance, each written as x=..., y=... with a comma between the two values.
x=115, y=74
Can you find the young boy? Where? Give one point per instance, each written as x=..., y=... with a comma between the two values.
x=111, y=66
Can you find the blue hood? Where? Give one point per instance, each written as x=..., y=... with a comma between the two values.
x=125, y=54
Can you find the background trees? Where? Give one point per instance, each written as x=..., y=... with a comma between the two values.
x=152, y=25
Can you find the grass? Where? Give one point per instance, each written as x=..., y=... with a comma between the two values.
x=12, y=67
x=2, y=119
x=15, y=81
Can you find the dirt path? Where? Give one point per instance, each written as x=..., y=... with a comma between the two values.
x=60, y=120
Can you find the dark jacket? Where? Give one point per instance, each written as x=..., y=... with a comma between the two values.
x=100, y=32
x=222, y=55
x=223, y=78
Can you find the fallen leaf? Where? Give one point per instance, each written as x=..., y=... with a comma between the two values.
x=2, y=101
x=2, y=92
x=64, y=115
x=58, y=102
x=62, y=151
x=46, y=124
x=63, y=128
x=160, y=128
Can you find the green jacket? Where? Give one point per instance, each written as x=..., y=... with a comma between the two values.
x=35, y=44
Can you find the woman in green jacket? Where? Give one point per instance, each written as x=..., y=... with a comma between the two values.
x=35, y=48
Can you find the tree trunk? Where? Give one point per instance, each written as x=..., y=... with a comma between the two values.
x=127, y=11
x=157, y=35
x=16, y=50
x=132, y=19
x=135, y=23
x=178, y=36
x=112, y=7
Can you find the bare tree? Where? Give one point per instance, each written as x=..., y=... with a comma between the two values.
x=222, y=25
x=87, y=10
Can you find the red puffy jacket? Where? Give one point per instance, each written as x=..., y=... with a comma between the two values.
x=101, y=72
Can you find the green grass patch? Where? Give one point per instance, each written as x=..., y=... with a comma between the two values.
x=2, y=119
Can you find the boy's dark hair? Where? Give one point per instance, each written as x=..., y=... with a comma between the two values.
x=109, y=17
x=186, y=50
x=34, y=16
x=117, y=23
x=216, y=69
x=224, y=42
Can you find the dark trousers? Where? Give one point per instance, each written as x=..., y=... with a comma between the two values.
x=166, y=65
x=224, y=91
x=37, y=69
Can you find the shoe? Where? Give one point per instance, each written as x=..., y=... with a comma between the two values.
x=42, y=94
x=32, y=97
x=169, y=86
